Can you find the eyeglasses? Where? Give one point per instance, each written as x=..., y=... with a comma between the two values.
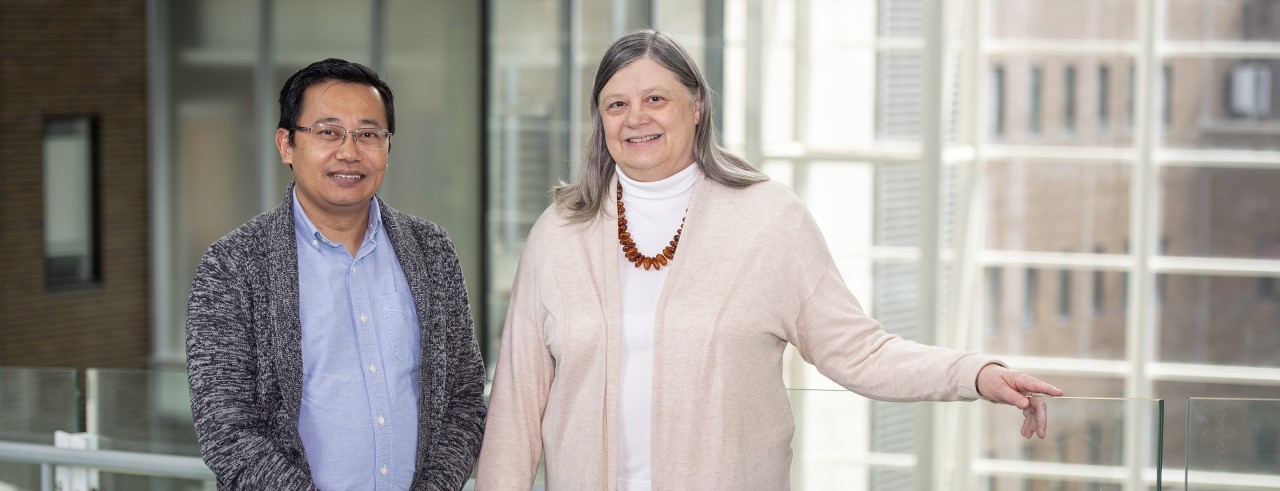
x=332, y=135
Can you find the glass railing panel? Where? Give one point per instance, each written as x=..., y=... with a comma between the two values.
x=142, y=411
x=835, y=443
x=35, y=403
x=1233, y=444
x=1084, y=445
x=839, y=445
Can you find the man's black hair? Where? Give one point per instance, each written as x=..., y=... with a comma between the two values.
x=330, y=70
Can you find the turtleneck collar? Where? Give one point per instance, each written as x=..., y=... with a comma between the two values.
x=669, y=187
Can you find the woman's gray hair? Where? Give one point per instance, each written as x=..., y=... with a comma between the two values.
x=588, y=194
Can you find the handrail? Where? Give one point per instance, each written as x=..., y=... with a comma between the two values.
x=124, y=462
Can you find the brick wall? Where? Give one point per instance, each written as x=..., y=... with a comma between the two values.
x=60, y=58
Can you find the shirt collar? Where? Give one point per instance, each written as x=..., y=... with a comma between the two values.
x=305, y=227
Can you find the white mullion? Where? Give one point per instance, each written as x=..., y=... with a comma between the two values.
x=1197, y=49
x=1236, y=159
x=976, y=104
x=1052, y=470
x=1140, y=329
x=1158, y=371
x=1224, y=158
x=1238, y=480
x=1062, y=46
x=1215, y=374
x=1063, y=260
x=1067, y=366
x=1218, y=266
x=891, y=460
x=1221, y=49
x=889, y=154
x=1035, y=153
x=1163, y=157
x=898, y=44
x=928, y=441
x=1071, y=472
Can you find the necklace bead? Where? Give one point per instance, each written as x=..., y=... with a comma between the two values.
x=632, y=253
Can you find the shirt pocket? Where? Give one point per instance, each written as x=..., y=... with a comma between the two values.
x=400, y=325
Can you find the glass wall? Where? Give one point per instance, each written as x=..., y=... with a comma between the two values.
x=1083, y=188
x=542, y=61
x=220, y=65
x=35, y=404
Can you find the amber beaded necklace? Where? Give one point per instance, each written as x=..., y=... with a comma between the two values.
x=657, y=261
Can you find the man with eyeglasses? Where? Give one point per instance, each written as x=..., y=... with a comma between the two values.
x=329, y=341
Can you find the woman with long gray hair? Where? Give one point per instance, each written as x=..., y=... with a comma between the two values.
x=644, y=338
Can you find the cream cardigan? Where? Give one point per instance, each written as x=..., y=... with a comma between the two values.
x=752, y=274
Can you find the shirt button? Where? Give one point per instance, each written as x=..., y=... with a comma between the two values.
x=381, y=421
x=353, y=269
x=363, y=318
x=373, y=368
x=384, y=470
x=315, y=242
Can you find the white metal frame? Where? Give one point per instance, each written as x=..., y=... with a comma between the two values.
x=1140, y=368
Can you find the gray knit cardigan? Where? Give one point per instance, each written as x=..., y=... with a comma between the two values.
x=244, y=355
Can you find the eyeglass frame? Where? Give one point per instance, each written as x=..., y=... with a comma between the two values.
x=345, y=132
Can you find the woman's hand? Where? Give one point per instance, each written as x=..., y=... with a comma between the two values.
x=1000, y=384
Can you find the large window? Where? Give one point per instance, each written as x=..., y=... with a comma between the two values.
x=1084, y=189
x=1105, y=168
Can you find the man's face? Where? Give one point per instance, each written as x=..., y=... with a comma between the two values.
x=337, y=180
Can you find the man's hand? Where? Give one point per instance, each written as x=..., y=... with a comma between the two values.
x=1000, y=384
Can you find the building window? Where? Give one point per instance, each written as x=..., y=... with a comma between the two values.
x=1267, y=288
x=1166, y=95
x=993, y=300
x=1034, y=110
x=1104, y=97
x=1069, y=100
x=1064, y=295
x=1124, y=284
x=70, y=201
x=1160, y=279
x=1265, y=434
x=997, y=101
x=1029, y=293
x=1133, y=91
x=1249, y=91
x=1098, y=293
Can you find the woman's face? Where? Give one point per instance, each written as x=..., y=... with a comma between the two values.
x=649, y=119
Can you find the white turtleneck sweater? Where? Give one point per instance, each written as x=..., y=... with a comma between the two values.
x=654, y=211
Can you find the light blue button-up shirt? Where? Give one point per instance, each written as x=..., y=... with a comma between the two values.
x=359, y=416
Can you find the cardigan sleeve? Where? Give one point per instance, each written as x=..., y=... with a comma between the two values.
x=456, y=444
x=834, y=334
x=231, y=424
x=521, y=385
